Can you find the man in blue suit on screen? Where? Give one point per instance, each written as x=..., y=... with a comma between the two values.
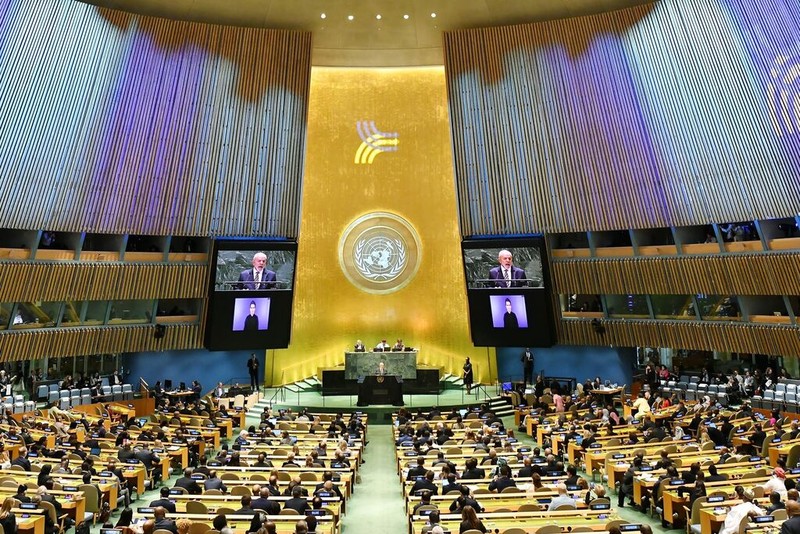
x=505, y=274
x=259, y=277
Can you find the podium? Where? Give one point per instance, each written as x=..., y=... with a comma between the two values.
x=380, y=389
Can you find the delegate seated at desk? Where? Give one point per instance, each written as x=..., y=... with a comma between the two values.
x=359, y=346
x=382, y=346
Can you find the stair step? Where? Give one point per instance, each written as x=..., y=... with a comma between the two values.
x=292, y=387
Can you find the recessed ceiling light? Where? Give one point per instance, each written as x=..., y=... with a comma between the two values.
x=378, y=16
x=323, y=16
x=350, y=17
x=433, y=15
x=405, y=17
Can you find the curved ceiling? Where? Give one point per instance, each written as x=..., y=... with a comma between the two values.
x=370, y=33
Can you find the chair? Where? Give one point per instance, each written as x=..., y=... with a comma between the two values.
x=257, y=477
x=223, y=510
x=693, y=525
x=59, y=522
x=547, y=529
x=528, y=507
x=511, y=489
x=600, y=500
x=427, y=508
x=288, y=511
x=162, y=531
x=743, y=524
x=240, y=491
x=308, y=476
x=200, y=528
x=196, y=507
x=517, y=530
x=213, y=492
x=780, y=514
x=565, y=506
x=91, y=498
x=582, y=529
x=229, y=476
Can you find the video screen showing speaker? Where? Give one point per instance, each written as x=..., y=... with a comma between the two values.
x=250, y=294
x=508, y=292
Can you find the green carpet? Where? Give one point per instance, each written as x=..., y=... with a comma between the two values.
x=377, y=505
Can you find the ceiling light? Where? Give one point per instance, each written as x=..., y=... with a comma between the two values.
x=323, y=15
x=405, y=17
x=378, y=16
x=350, y=17
x=433, y=15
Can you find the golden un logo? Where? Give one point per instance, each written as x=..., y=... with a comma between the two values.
x=373, y=142
x=380, y=252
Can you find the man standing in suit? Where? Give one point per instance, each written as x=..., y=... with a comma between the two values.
x=259, y=277
x=505, y=274
x=527, y=366
x=381, y=369
x=252, y=368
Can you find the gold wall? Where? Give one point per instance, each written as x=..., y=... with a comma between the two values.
x=416, y=182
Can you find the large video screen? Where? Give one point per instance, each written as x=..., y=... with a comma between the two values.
x=250, y=294
x=508, y=292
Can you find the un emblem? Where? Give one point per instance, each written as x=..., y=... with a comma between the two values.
x=379, y=252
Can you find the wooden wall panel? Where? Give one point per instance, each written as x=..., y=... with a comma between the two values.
x=667, y=114
x=22, y=282
x=87, y=341
x=747, y=338
x=119, y=123
x=741, y=274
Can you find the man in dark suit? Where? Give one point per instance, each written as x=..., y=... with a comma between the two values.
x=263, y=502
x=465, y=499
x=381, y=371
x=419, y=469
x=246, y=509
x=503, y=480
x=359, y=346
x=259, y=277
x=161, y=521
x=527, y=366
x=252, y=368
x=251, y=321
x=297, y=502
x=188, y=483
x=472, y=471
x=505, y=274
x=151, y=461
x=451, y=484
x=214, y=482
x=791, y=525
x=425, y=484
x=164, y=501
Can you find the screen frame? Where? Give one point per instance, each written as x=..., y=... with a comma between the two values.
x=541, y=330
x=219, y=335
